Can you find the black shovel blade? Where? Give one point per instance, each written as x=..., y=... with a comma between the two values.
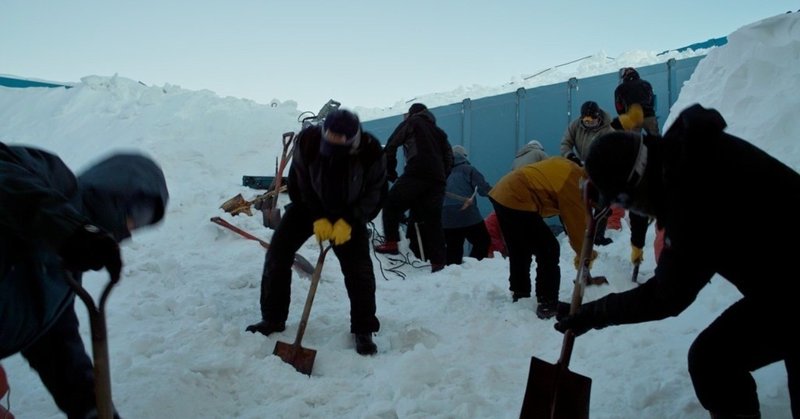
x=271, y=217
x=555, y=392
x=302, y=359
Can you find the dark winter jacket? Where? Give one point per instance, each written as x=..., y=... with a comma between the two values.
x=462, y=183
x=705, y=173
x=635, y=91
x=349, y=186
x=42, y=204
x=427, y=152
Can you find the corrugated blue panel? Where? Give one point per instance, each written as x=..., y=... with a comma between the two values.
x=493, y=123
x=545, y=116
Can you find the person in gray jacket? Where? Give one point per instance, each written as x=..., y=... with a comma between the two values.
x=580, y=133
x=529, y=153
x=461, y=218
x=575, y=144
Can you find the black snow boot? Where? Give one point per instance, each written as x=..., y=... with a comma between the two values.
x=267, y=327
x=364, y=344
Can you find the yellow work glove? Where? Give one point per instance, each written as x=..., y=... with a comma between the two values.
x=637, y=255
x=632, y=119
x=323, y=230
x=341, y=232
x=577, y=260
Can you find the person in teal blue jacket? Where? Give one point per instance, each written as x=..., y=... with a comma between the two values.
x=53, y=225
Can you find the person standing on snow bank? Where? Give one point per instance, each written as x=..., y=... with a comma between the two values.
x=691, y=181
x=52, y=225
x=336, y=183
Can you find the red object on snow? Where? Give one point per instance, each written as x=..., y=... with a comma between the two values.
x=497, y=244
x=4, y=414
x=614, y=220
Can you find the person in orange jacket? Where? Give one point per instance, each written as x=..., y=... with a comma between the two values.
x=521, y=200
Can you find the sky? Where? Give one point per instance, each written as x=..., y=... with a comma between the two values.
x=451, y=344
x=272, y=51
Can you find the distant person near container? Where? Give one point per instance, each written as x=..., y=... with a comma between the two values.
x=531, y=152
x=635, y=104
x=429, y=160
x=461, y=218
x=575, y=144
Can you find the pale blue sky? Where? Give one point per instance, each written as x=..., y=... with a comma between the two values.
x=311, y=51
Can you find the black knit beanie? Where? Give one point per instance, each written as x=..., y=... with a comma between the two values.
x=416, y=108
x=342, y=121
x=610, y=162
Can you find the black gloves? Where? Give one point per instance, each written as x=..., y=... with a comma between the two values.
x=580, y=323
x=91, y=248
x=575, y=159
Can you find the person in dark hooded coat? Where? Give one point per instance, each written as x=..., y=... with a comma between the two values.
x=692, y=181
x=461, y=218
x=421, y=187
x=54, y=225
x=336, y=183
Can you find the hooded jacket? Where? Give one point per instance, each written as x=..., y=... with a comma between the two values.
x=349, y=184
x=549, y=187
x=425, y=146
x=529, y=153
x=698, y=173
x=462, y=183
x=577, y=138
x=43, y=203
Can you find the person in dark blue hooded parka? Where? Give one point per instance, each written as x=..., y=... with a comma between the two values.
x=53, y=225
x=461, y=218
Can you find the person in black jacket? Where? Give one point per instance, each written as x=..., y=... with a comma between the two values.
x=635, y=104
x=336, y=183
x=54, y=225
x=633, y=92
x=421, y=187
x=693, y=180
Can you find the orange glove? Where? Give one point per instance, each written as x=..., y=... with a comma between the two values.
x=341, y=232
x=323, y=230
x=632, y=119
x=637, y=255
x=577, y=260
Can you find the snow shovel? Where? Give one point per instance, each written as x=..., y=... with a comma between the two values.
x=97, y=320
x=554, y=391
x=292, y=353
x=301, y=265
x=272, y=214
x=238, y=205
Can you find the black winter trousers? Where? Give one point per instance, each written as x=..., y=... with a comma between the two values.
x=527, y=235
x=354, y=257
x=424, y=198
x=744, y=338
x=65, y=369
x=476, y=234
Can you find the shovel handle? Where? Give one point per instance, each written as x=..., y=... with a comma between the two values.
x=239, y=231
x=97, y=320
x=312, y=290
